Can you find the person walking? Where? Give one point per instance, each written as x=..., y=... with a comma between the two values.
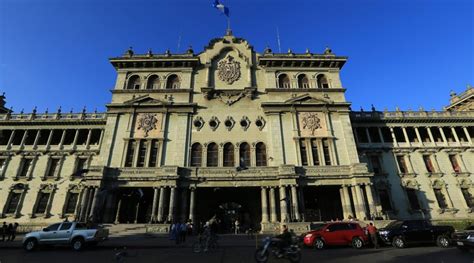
x=4, y=231
x=182, y=232
x=372, y=230
x=9, y=231
x=237, y=226
x=13, y=233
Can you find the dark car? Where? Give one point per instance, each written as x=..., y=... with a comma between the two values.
x=464, y=240
x=336, y=234
x=407, y=232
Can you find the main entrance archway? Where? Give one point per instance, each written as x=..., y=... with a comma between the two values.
x=322, y=203
x=135, y=205
x=229, y=204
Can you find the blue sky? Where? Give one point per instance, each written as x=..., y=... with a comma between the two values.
x=406, y=53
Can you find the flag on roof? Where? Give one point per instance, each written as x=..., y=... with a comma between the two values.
x=219, y=6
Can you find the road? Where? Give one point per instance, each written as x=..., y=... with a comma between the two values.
x=231, y=250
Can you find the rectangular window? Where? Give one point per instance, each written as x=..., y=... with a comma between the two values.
x=18, y=137
x=25, y=167
x=376, y=166
x=30, y=137
x=53, y=166
x=153, y=154
x=362, y=135
x=13, y=202
x=374, y=134
x=5, y=136
x=428, y=164
x=424, y=134
x=385, y=200
x=130, y=153
x=304, y=156
x=399, y=136
x=141, y=154
x=402, y=164
x=57, y=135
x=71, y=203
x=468, y=197
x=386, y=134
x=43, y=137
x=440, y=198
x=327, y=156
x=454, y=163
x=314, y=152
x=436, y=134
x=413, y=199
x=80, y=166
x=42, y=203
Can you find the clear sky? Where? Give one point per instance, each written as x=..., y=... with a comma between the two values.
x=406, y=53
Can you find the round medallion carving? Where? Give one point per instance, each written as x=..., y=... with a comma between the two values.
x=228, y=70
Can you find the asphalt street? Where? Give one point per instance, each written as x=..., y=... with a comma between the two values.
x=232, y=249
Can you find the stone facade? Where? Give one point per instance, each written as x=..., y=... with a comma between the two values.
x=262, y=138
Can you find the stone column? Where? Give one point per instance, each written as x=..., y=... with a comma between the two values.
x=161, y=205
x=394, y=138
x=136, y=212
x=467, y=135
x=283, y=206
x=360, y=198
x=343, y=203
x=347, y=201
x=356, y=202
x=90, y=199
x=172, y=204
x=428, y=129
x=294, y=199
x=118, y=211
x=85, y=196
x=453, y=131
x=192, y=203
x=417, y=132
x=153, y=208
x=370, y=199
x=94, y=203
x=184, y=204
x=264, y=205
x=273, y=214
x=443, y=135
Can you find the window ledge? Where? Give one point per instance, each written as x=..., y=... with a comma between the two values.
x=461, y=174
x=447, y=210
x=407, y=175
x=435, y=174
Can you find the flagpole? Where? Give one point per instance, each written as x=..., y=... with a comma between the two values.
x=229, y=31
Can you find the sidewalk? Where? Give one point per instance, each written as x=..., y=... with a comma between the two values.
x=154, y=241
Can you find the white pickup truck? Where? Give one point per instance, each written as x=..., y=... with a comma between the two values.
x=75, y=234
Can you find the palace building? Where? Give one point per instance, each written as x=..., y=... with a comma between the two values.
x=264, y=138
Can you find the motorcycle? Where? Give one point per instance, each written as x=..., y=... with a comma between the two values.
x=292, y=252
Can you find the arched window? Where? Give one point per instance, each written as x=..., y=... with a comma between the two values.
x=244, y=154
x=322, y=82
x=283, y=81
x=212, y=155
x=196, y=155
x=261, y=154
x=134, y=82
x=172, y=82
x=303, y=82
x=153, y=82
x=228, y=154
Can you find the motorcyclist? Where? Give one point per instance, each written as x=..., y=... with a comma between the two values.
x=282, y=240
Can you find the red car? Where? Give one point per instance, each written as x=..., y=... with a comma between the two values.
x=337, y=233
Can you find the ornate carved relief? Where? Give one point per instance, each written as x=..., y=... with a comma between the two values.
x=312, y=124
x=228, y=70
x=147, y=122
x=245, y=123
x=260, y=122
x=229, y=123
x=214, y=123
x=198, y=122
x=229, y=97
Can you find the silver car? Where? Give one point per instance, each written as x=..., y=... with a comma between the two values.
x=75, y=234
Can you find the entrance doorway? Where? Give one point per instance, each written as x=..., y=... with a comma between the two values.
x=135, y=205
x=228, y=205
x=322, y=203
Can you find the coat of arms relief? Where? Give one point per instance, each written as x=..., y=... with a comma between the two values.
x=311, y=122
x=147, y=122
x=228, y=70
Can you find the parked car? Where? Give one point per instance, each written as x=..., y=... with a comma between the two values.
x=75, y=234
x=407, y=232
x=337, y=233
x=464, y=240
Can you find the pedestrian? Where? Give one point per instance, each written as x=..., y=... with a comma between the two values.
x=372, y=230
x=9, y=231
x=173, y=233
x=14, y=229
x=182, y=232
x=4, y=231
x=237, y=226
